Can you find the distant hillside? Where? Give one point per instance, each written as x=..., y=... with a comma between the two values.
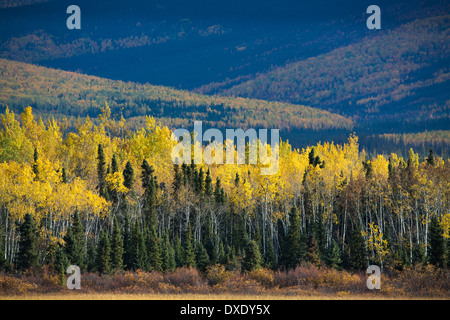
x=56, y=92
x=397, y=74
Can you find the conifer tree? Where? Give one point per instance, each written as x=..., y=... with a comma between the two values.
x=139, y=258
x=116, y=248
x=167, y=254
x=179, y=253
x=91, y=257
x=334, y=259
x=75, y=243
x=218, y=192
x=358, y=252
x=3, y=261
x=202, y=257
x=104, y=253
x=208, y=184
x=60, y=265
x=35, y=164
x=114, y=165
x=293, y=250
x=269, y=259
x=252, y=259
x=101, y=172
x=436, y=242
x=28, y=254
x=222, y=256
x=64, y=175
x=149, y=184
x=430, y=158
x=312, y=251
x=189, y=253
x=127, y=246
x=128, y=176
x=153, y=249
x=177, y=180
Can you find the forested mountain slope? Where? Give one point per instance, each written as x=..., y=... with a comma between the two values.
x=397, y=74
x=60, y=93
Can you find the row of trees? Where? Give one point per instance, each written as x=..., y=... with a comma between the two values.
x=107, y=202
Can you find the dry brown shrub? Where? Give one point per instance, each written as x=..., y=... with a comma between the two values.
x=11, y=285
x=184, y=277
x=263, y=276
x=216, y=274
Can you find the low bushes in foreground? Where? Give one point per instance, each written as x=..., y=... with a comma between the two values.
x=307, y=279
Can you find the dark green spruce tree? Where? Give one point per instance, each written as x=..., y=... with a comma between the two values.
x=293, y=244
x=436, y=241
x=153, y=249
x=128, y=175
x=188, y=250
x=127, y=246
x=358, y=251
x=202, y=257
x=28, y=255
x=75, y=243
x=252, y=259
x=116, y=248
x=101, y=172
x=104, y=253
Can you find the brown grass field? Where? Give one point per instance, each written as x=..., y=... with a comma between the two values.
x=119, y=296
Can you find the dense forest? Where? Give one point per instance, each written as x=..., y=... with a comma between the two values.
x=399, y=73
x=53, y=92
x=107, y=198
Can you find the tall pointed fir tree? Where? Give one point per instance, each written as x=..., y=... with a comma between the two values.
x=149, y=184
x=252, y=259
x=101, y=172
x=436, y=242
x=153, y=250
x=293, y=251
x=104, y=253
x=116, y=248
x=128, y=176
x=35, y=164
x=28, y=255
x=167, y=254
x=312, y=251
x=188, y=252
x=202, y=257
x=127, y=246
x=75, y=243
x=358, y=251
x=139, y=258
